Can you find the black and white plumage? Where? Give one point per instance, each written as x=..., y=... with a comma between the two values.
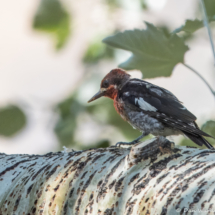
x=155, y=110
x=149, y=108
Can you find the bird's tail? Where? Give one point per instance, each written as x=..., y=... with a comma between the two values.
x=199, y=140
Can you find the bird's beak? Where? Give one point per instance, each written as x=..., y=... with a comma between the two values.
x=97, y=95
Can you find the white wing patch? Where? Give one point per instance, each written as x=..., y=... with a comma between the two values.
x=126, y=94
x=144, y=105
x=138, y=82
x=148, y=86
x=157, y=91
x=192, y=124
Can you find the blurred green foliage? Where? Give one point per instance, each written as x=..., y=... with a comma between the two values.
x=143, y=4
x=153, y=53
x=51, y=17
x=97, y=51
x=209, y=127
x=65, y=128
x=12, y=120
x=112, y=3
x=100, y=144
x=210, y=8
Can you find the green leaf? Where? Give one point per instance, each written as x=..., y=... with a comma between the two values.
x=153, y=53
x=52, y=18
x=190, y=26
x=12, y=120
x=210, y=8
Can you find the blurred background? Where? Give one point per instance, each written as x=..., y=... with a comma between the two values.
x=52, y=61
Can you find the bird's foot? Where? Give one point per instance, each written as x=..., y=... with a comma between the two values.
x=125, y=143
x=132, y=142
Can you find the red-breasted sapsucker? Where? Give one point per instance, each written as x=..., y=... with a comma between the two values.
x=149, y=108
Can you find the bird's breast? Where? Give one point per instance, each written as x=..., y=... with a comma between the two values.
x=119, y=106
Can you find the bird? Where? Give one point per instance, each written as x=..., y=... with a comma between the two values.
x=149, y=108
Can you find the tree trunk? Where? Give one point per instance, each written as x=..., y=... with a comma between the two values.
x=152, y=177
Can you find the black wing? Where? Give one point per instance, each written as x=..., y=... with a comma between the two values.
x=159, y=103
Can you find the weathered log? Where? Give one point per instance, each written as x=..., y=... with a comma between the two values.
x=152, y=177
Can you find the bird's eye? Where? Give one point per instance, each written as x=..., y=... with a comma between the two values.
x=105, y=84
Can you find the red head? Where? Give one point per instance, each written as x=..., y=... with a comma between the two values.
x=111, y=83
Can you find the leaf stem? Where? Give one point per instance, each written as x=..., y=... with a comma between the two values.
x=212, y=91
x=205, y=18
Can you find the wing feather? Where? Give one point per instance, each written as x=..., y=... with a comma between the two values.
x=163, y=100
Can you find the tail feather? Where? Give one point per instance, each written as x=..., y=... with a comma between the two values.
x=203, y=133
x=199, y=140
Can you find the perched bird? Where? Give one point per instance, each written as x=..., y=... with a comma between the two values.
x=149, y=108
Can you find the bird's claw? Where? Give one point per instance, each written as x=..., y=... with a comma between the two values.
x=124, y=143
x=118, y=144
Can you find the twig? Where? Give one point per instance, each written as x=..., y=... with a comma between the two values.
x=205, y=18
x=212, y=91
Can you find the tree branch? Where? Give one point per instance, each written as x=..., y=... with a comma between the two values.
x=152, y=177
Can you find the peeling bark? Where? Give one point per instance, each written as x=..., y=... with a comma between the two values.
x=152, y=177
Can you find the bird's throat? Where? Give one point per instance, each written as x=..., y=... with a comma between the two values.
x=111, y=92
